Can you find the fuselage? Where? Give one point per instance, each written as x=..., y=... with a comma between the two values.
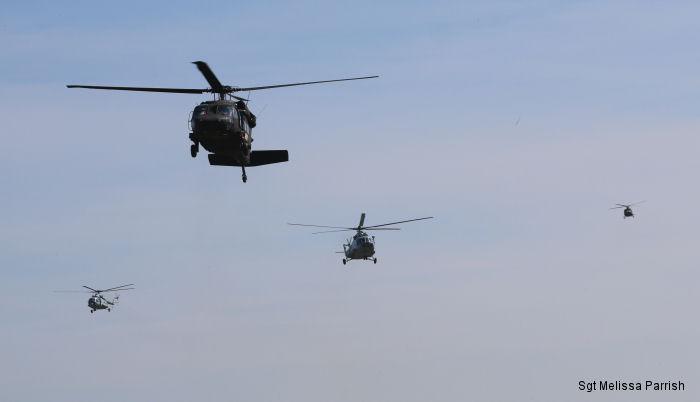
x=361, y=247
x=96, y=303
x=223, y=127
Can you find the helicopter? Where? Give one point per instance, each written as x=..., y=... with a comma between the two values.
x=99, y=302
x=362, y=245
x=224, y=126
x=627, y=211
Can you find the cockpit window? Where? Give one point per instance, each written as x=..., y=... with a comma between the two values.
x=225, y=110
x=200, y=110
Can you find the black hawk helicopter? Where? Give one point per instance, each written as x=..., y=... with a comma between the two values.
x=224, y=126
x=362, y=245
x=627, y=211
x=97, y=301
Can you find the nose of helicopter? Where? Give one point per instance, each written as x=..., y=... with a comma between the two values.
x=212, y=124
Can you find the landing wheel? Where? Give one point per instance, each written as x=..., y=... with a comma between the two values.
x=194, y=148
x=344, y=261
x=109, y=309
x=92, y=311
x=375, y=260
x=244, y=177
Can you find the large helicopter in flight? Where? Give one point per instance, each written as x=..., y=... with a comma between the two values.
x=627, y=211
x=97, y=301
x=224, y=126
x=362, y=245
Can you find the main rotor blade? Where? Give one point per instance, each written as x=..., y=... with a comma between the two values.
x=636, y=203
x=116, y=290
x=355, y=230
x=143, y=89
x=394, y=223
x=209, y=75
x=622, y=206
x=341, y=230
x=119, y=288
x=300, y=83
x=88, y=287
x=319, y=226
x=72, y=291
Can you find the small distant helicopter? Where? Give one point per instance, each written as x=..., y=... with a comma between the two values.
x=97, y=301
x=362, y=245
x=627, y=211
x=224, y=127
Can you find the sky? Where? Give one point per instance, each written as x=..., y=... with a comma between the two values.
x=517, y=125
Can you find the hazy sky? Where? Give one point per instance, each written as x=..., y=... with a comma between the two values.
x=516, y=124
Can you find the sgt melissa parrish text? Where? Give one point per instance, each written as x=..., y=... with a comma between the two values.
x=649, y=385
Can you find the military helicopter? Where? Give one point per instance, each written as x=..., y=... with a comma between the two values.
x=627, y=211
x=224, y=126
x=362, y=245
x=97, y=301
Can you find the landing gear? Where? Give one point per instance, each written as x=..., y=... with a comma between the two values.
x=109, y=309
x=245, y=178
x=344, y=261
x=194, y=148
x=92, y=311
x=375, y=260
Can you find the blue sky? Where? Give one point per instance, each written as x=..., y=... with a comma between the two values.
x=524, y=284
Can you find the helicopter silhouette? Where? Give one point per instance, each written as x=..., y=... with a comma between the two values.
x=627, y=211
x=362, y=245
x=97, y=301
x=224, y=126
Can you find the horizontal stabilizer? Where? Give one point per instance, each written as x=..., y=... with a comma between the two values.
x=257, y=158
x=222, y=160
